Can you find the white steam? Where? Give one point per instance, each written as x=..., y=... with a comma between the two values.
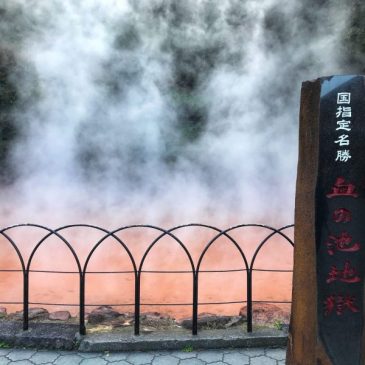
x=162, y=112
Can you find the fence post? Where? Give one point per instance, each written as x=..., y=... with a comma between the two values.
x=25, y=300
x=82, y=304
x=249, y=300
x=137, y=303
x=195, y=303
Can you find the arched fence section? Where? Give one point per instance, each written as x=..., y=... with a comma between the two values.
x=248, y=267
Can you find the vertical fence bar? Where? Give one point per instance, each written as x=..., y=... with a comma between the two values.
x=137, y=303
x=249, y=300
x=195, y=303
x=82, y=304
x=25, y=300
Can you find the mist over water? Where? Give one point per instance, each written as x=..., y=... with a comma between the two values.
x=160, y=112
x=157, y=112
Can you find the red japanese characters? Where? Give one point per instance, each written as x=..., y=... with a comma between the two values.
x=347, y=275
x=343, y=243
x=340, y=303
x=342, y=188
x=342, y=215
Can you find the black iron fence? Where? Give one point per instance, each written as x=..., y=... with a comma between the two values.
x=82, y=271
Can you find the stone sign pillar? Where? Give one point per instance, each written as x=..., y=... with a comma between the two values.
x=327, y=322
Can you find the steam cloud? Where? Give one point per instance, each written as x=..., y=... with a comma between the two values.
x=162, y=112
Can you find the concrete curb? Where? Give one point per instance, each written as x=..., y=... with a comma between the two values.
x=39, y=335
x=204, y=340
x=66, y=337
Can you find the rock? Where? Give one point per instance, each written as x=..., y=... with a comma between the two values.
x=235, y=321
x=33, y=313
x=128, y=315
x=154, y=316
x=60, y=316
x=156, y=320
x=212, y=321
x=264, y=313
x=2, y=312
x=122, y=322
x=102, y=314
x=38, y=313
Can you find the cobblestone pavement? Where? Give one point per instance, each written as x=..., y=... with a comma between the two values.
x=253, y=356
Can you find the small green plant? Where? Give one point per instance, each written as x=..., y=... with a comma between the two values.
x=188, y=348
x=278, y=324
x=4, y=345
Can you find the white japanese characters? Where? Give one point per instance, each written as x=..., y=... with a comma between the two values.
x=343, y=98
x=343, y=140
x=343, y=123
x=343, y=155
x=344, y=112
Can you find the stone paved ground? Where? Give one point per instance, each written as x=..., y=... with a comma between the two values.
x=255, y=356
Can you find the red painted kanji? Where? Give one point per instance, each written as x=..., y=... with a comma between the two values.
x=343, y=243
x=346, y=302
x=347, y=275
x=329, y=304
x=333, y=274
x=349, y=302
x=340, y=303
x=342, y=215
x=342, y=188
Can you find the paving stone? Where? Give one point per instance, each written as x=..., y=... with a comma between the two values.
x=161, y=353
x=17, y=355
x=268, y=356
x=262, y=360
x=94, y=361
x=184, y=355
x=192, y=362
x=41, y=357
x=68, y=360
x=165, y=360
x=277, y=354
x=4, y=360
x=253, y=352
x=116, y=356
x=236, y=358
x=210, y=356
x=140, y=358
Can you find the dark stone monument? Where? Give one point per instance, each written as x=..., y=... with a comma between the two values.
x=327, y=322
